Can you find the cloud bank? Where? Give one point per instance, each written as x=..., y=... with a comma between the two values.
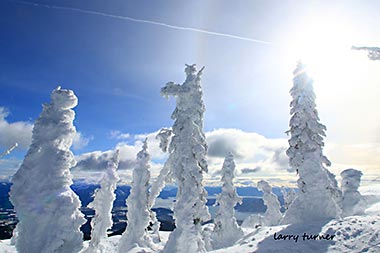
x=10, y=133
x=256, y=156
x=21, y=132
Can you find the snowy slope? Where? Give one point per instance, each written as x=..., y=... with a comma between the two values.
x=352, y=234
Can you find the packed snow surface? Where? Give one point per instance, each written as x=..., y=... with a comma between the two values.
x=352, y=234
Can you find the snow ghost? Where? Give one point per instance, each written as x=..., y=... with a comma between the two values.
x=186, y=164
x=102, y=204
x=226, y=231
x=272, y=215
x=351, y=195
x=48, y=210
x=138, y=215
x=319, y=197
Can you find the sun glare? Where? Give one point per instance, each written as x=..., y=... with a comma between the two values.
x=324, y=45
x=346, y=82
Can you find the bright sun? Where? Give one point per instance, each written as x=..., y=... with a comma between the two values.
x=346, y=82
x=324, y=45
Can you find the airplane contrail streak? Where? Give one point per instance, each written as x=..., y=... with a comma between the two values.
x=142, y=21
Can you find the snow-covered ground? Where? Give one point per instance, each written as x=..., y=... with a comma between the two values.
x=351, y=234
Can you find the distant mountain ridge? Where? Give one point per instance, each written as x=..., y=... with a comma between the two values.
x=252, y=203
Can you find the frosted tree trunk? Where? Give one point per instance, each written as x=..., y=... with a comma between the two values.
x=102, y=204
x=48, y=210
x=289, y=196
x=165, y=136
x=226, y=230
x=319, y=197
x=186, y=164
x=138, y=214
x=351, y=196
x=272, y=215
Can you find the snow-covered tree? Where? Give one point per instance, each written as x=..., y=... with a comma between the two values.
x=138, y=215
x=319, y=196
x=226, y=230
x=102, y=204
x=373, y=52
x=47, y=209
x=187, y=162
x=165, y=136
x=272, y=215
x=8, y=151
x=289, y=196
x=351, y=196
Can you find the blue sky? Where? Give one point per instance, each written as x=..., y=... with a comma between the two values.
x=116, y=67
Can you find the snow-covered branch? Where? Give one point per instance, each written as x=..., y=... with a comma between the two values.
x=373, y=52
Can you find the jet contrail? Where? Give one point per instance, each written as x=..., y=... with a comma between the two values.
x=7, y=152
x=142, y=21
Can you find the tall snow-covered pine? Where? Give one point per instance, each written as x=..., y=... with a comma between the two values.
x=103, y=203
x=47, y=209
x=138, y=215
x=226, y=230
x=319, y=197
x=186, y=164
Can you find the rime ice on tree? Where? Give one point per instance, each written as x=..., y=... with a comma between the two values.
x=351, y=195
x=318, y=197
x=103, y=202
x=373, y=52
x=272, y=215
x=289, y=196
x=187, y=162
x=137, y=203
x=164, y=135
x=226, y=231
x=48, y=210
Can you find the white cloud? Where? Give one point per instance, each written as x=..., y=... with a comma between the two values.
x=257, y=157
x=364, y=157
x=90, y=164
x=8, y=168
x=118, y=135
x=10, y=133
x=21, y=132
x=80, y=141
x=251, y=150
